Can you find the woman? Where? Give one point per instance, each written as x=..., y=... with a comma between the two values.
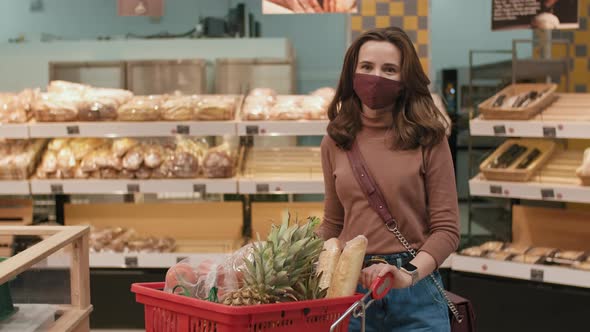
x=383, y=104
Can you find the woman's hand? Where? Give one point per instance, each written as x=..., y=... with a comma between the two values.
x=369, y=274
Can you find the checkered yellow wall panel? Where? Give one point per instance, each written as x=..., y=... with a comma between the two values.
x=580, y=51
x=410, y=15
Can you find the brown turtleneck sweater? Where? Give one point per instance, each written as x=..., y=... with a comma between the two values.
x=422, y=197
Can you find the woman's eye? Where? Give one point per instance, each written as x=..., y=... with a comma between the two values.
x=366, y=67
x=390, y=70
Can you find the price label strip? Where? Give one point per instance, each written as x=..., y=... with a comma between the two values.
x=549, y=132
x=252, y=130
x=496, y=190
x=73, y=130
x=131, y=261
x=537, y=275
x=183, y=130
x=547, y=193
x=262, y=188
x=500, y=130
x=133, y=188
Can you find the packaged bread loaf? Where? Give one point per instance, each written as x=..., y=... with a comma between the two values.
x=141, y=108
x=180, y=108
x=267, y=93
x=133, y=158
x=314, y=107
x=11, y=109
x=256, y=109
x=328, y=261
x=122, y=145
x=98, y=109
x=348, y=269
x=154, y=155
x=218, y=162
x=216, y=108
x=473, y=251
x=19, y=157
x=56, y=108
x=64, y=87
x=287, y=108
x=492, y=246
x=326, y=93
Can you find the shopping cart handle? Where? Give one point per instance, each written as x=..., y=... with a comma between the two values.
x=381, y=286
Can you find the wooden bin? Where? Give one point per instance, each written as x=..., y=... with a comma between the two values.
x=507, y=112
x=204, y=227
x=511, y=173
x=13, y=212
x=73, y=317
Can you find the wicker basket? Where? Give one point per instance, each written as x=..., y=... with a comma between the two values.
x=511, y=173
x=518, y=113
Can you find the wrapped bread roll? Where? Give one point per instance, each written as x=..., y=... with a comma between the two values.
x=56, y=108
x=185, y=165
x=62, y=87
x=141, y=109
x=66, y=159
x=267, y=93
x=584, y=169
x=256, y=109
x=314, y=107
x=328, y=261
x=216, y=108
x=287, y=108
x=58, y=143
x=473, y=251
x=122, y=145
x=492, y=246
x=98, y=109
x=218, y=162
x=133, y=159
x=153, y=156
x=181, y=108
x=348, y=270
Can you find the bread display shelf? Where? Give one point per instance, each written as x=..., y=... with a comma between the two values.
x=96, y=186
x=556, y=181
x=544, y=95
x=567, y=117
x=282, y=170
x=17, y=130
x=130, y=260
x=541, y=273
x=287, y=128
x=132, y=129
x=14, y=187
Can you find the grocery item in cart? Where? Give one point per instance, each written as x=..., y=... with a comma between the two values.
x=328, y=261
x=141, y=108
x=348, y=270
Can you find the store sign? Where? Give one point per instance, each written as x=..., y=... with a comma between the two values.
x=535, y=14
x=309, y=6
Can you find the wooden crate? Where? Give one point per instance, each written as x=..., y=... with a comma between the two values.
x=265, y=214
x=204, y=227
x=75, y=316
x=13, y=212
x=511, y=173
x=522, y=113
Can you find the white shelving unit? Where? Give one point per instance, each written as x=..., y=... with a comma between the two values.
x=522, y=271
x=12, y=187
x=132, y=129
x=121, y=186
x=479, y=186
x=20, y=130
x=530, y=128
x=288, y=128
x=285, y=186
x=130, y=260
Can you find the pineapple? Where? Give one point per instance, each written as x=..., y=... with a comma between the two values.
x=282, y=268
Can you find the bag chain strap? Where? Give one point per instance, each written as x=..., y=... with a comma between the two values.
x=412, y=252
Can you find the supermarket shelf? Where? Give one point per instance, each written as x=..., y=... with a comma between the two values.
x=129, y=260
x=272, y=128
x=97, y=186
x=132, y=129
x=530, y=128
x=8, y=130
x=546, y=191
x=280, y=186
x=11, y=187
x=539, y=273
x=567, y=117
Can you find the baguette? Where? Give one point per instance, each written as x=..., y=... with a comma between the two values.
x=328, y=261
x=347, y=273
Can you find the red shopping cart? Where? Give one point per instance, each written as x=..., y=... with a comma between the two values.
x=166, y=312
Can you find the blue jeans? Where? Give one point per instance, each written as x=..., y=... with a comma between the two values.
x=420, y=308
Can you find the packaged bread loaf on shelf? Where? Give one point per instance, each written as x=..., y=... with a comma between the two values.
x=186, y=159
x=314, y=107
x=99, y=105
x=219, y=162
x=216, y=108
x=583, y=172
x=141, y=108
x=256, y=109
x=287, y=108
x=119, y=239
x=16, y=108
x=180, y=108
x=65, y=87
x=269, y=95
x=18, y=158
x=54, y=107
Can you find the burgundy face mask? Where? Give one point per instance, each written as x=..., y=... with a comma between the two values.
x=375, y=91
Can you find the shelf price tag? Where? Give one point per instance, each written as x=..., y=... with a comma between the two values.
x=56, y=188
x=183, y=130
x=500, y=130
x=73, y=130
x=200, y=188
x=496, y=190
x=180, y=258
x=252, y=130
x=133, y=188
x=549, y=132
x=547, y=193
x=262, y=188
x=131, y=261
x=537, y=275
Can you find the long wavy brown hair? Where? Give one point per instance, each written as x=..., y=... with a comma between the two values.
x=416, y=119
